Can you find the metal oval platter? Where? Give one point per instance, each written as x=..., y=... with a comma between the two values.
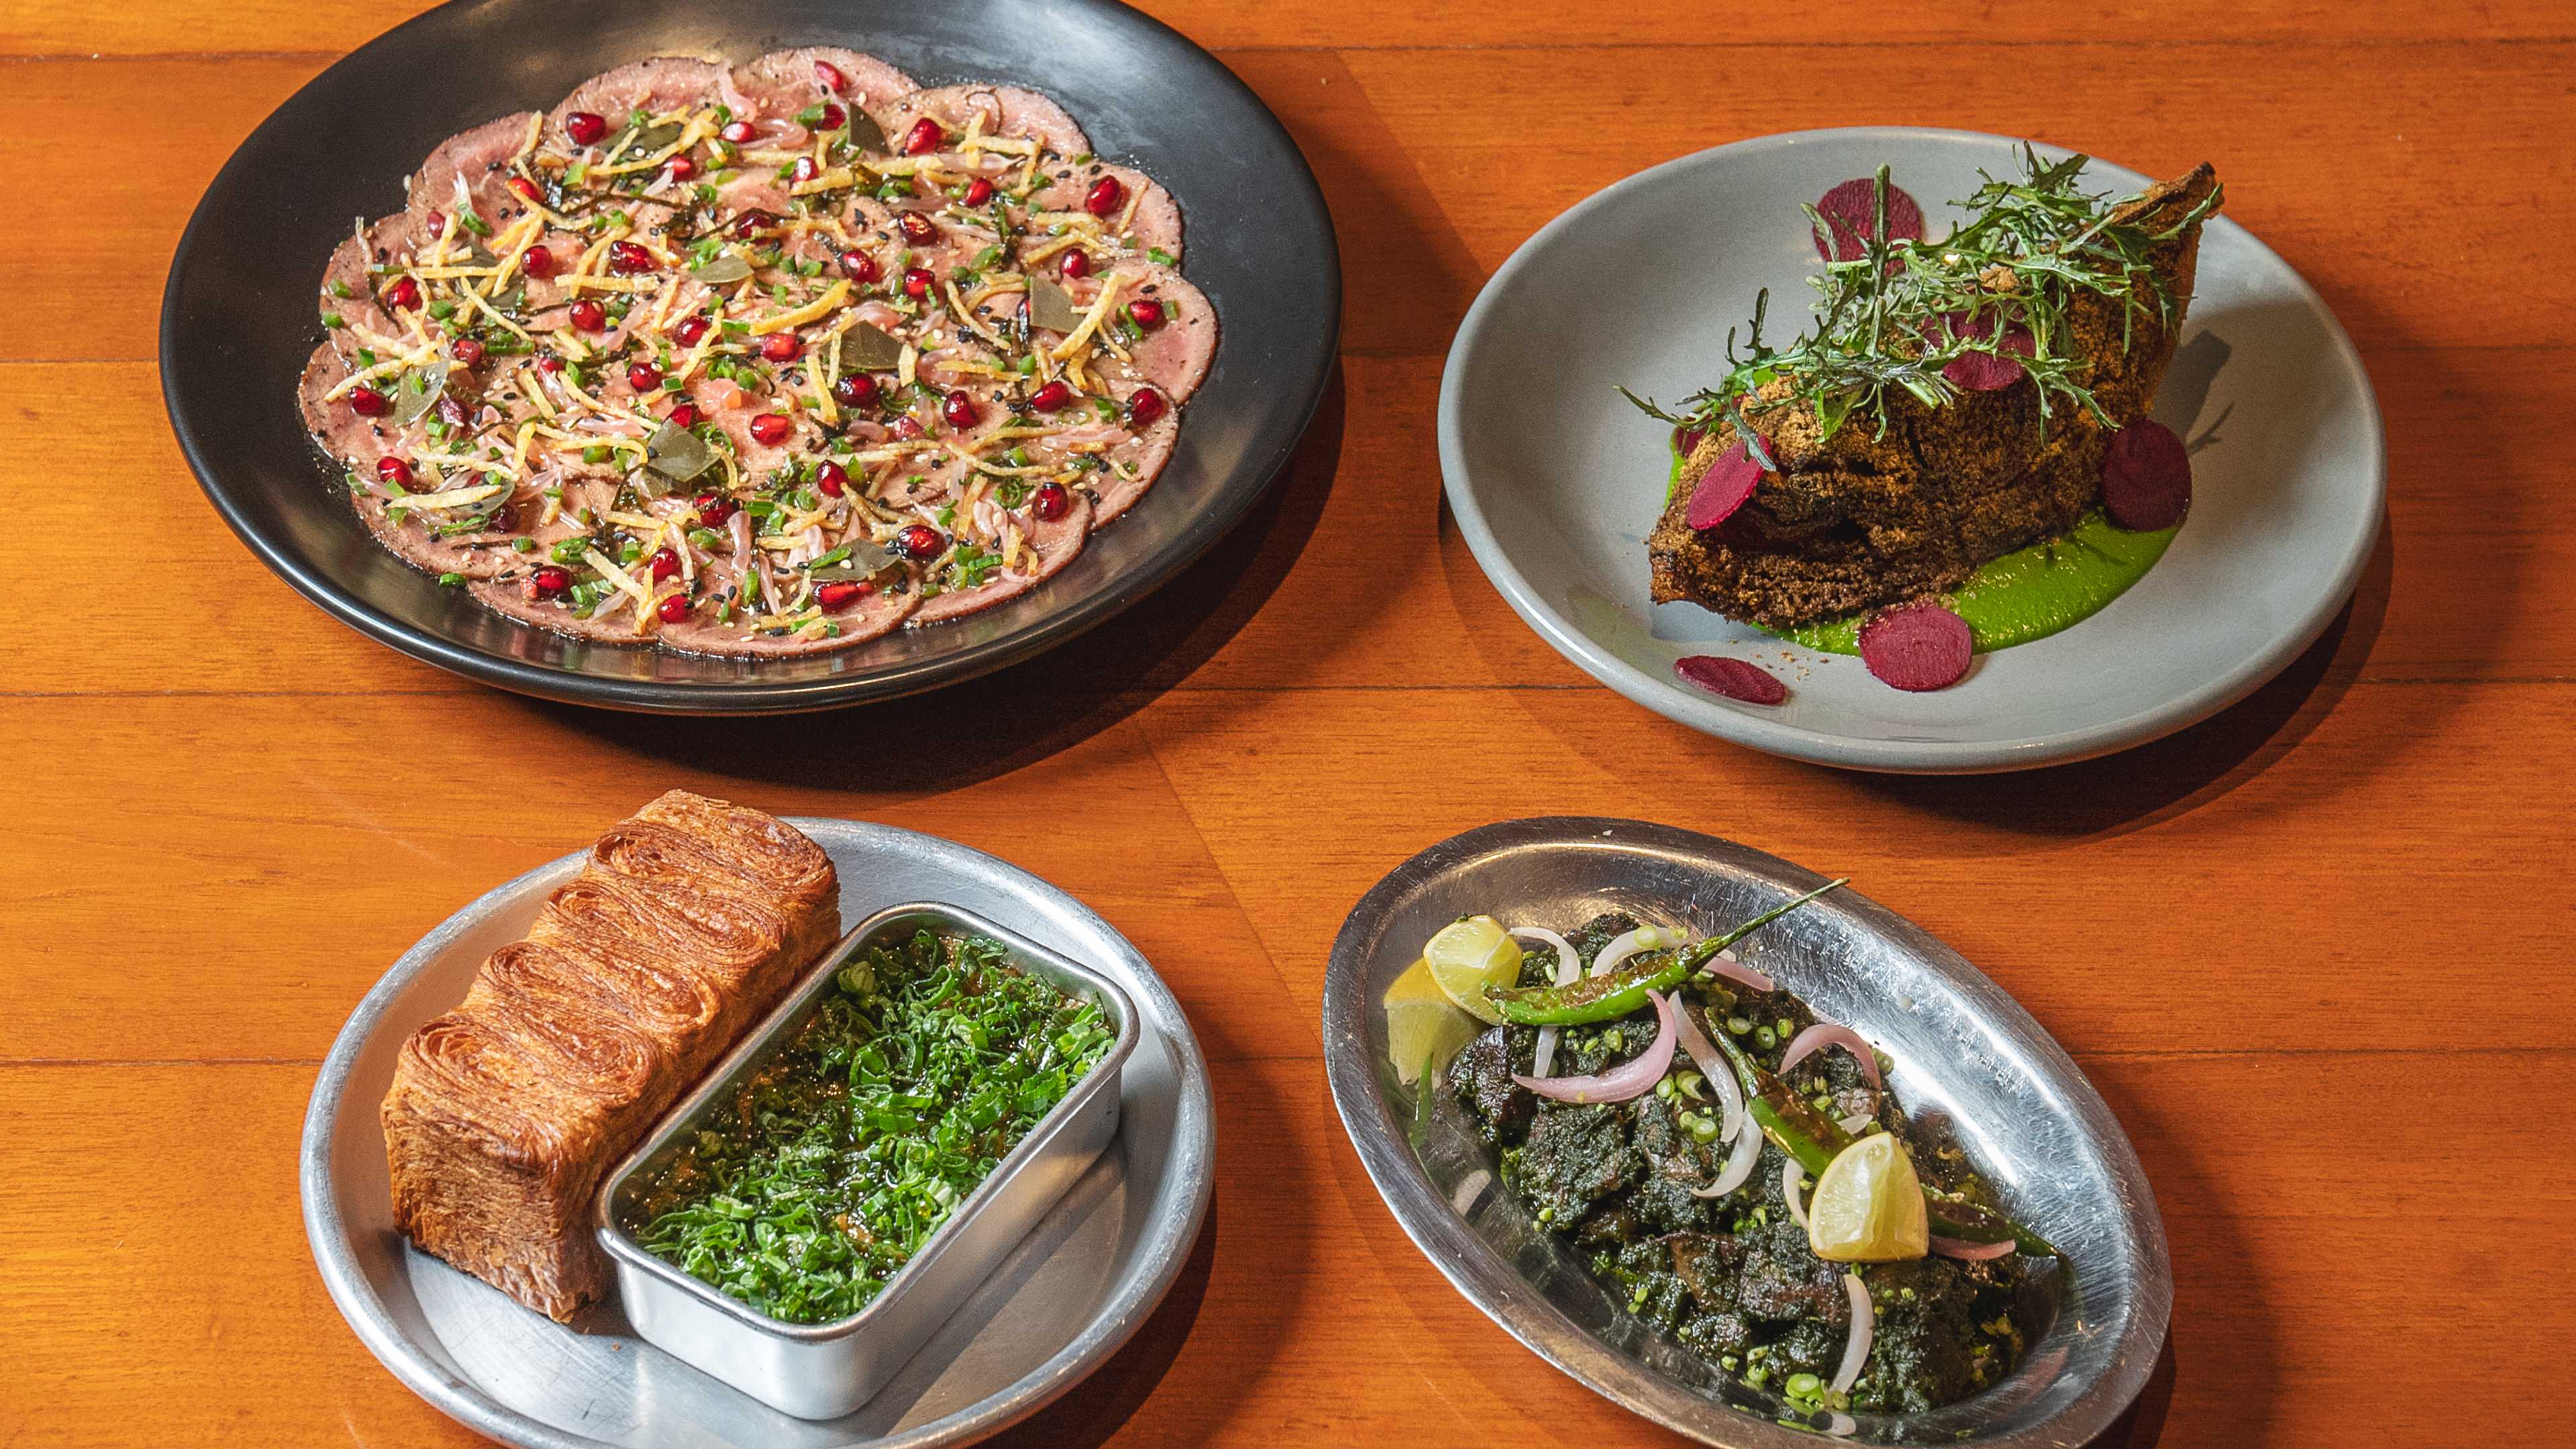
x=238, y=318
x=1555, y=479
x=1083, y=1280
x=2036, y=1129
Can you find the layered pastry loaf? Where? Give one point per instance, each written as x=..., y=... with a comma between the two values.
x=687, y=924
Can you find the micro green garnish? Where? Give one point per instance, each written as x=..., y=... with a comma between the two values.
x=2028, y=249
x=831, y=1167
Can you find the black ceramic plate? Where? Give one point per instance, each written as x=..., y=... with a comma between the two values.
x=238, y=318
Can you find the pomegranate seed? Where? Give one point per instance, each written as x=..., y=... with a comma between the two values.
x=403, y=295
x=537, y=262
x=664, y=563
x=920, y=540
x=682, y=168
x=834, y=118
x=858, y=390
x=1144, y=405
x=803, y=170
x=829, y=77
x=527, y=189
x=468, y=352
x=907, y=427
x=714, y=510
x=550, y=363
x=451, y=412
x=549, y=581
x=589, y=316
x=689, y=329
x=924, y=138
x=366, y=402
x=831, y=478
x=738, y=132
x=673, y=610
x=1051, y=397
x=437, y=223
x=1104, y=197
x=769, y=429
x=1147, y=312
x=1051, y=502
x=684, y=415
x=959, y=409
x=859, y=267
x=752, y=221
x=978, y=191
x=833, y=596
x=628, y=256
x=643, y=377
x=781, y=347
x=916, y=282
x=1077, y=262
x=917, y=229
x=585, y=127
x=393, y=470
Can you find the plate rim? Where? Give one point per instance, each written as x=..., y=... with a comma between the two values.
x=2181, y=711
x=1441, y=1236
x=1110, y=1329
x=1197, y=534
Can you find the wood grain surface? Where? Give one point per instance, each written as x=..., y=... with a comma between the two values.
x=2314, y=951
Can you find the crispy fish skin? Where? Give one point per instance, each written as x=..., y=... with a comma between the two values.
x=1874, y=517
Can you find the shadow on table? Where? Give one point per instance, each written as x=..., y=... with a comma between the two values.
x=1095, y=1409
x=2143, y=1422
x=1013, y=717
x=2183, y=771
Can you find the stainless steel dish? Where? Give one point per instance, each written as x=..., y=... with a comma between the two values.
x=1075, y=1289
x=1963, y=1049
x=825, y=1370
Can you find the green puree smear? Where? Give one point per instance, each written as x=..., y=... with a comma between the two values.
x=2033, y=592
x=916, y=1075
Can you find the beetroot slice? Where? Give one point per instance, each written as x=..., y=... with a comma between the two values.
x=1723, y=488
x=1733, y=678
x=1849, y=208
x=2146, y=477
x=1917, y=647
x=1986, y=371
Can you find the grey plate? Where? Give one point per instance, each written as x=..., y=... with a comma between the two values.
x=1074, y=1290
x=1963, y=1050
x=1555, y=479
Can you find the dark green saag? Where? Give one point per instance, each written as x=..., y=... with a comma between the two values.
x=923, y=1067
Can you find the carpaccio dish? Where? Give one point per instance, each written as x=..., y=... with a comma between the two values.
x=758, y=360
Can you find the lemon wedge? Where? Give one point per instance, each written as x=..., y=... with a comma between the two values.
x=1422, y=1027
x=1468, y=956
x=1868, y=1205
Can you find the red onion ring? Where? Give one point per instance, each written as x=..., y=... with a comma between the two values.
x=1739, y=1167
x=1631, y=1079
x=1792, y=1179
x=1632, y=943
x=1569, y=964
x=1973, y=1252
x=1825, y=1034
x=1724, y=964
x=1703, y=1054
x=1864, y=1328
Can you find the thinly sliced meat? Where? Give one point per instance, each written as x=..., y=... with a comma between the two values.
x=664, y=83
x=771, y=89
x=479, y=157
x=1114, y=489
x=873, y=617
x=613, y=624
x=1153, y=222
x=1174, y=356
x=1007, y=111
x=1055, y=544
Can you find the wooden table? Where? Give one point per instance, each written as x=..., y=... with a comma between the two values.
x=2313, y=951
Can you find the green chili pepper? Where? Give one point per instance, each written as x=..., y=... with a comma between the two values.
x=1601, y=998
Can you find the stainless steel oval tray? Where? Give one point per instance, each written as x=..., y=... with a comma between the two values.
x=1963, y=1049
x=1082, y=1281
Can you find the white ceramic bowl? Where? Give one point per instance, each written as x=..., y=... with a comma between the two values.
x=1555, y=479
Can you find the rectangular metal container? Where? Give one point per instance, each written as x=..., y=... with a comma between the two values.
x=825, y=1370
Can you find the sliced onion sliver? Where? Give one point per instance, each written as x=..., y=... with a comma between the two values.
x=1739, y=1167
x=1856, y=1122
x=1634, y=943
x=1703, y=1054
x=1792, y=1178
x=1724, y=964
x=1631, y=1079
x=1864, y=1327
x=1568, y=966
x=1973, y=1252
x=1825, y=1034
